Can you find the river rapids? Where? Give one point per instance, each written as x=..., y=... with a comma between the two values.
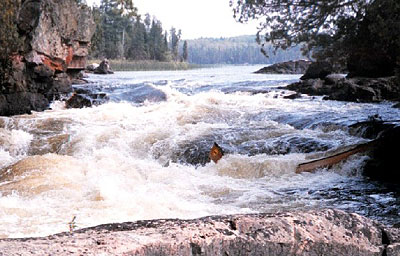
x=144, y=153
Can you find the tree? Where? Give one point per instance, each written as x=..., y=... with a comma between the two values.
x=330, y=29
x=156, y=41
x=185, y=53
x=288, y=22
x=121, y=33
x=97, y=42
x=116, y=16
x=175, y=37
x=138, y=49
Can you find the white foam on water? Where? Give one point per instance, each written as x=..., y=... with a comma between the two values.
x=118, y=161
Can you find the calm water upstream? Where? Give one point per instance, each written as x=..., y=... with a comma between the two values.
x=143, y=155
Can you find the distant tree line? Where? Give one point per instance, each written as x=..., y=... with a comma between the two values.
x=363, y=35
x=236, y=50
x=122, y=34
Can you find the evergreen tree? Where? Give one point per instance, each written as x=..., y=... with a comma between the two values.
x=116, y=17
x=175, y=38
x=97, y=42
x=122, y=34
x=185, y=53
x=156, y=41
x=137, y=49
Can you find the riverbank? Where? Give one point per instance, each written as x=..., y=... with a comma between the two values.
x=143, y=154
x=324, y=232
x=148, y=65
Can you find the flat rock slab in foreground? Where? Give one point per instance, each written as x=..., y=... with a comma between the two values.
x=326, y=232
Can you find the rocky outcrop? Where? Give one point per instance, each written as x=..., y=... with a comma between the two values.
x=383, y=164
x=82, y=98
x=104, y=68
x=92, y=67
x=55, y=36
x=336, y=87
x=317, y=70
x=288, y=67
x=326, y=232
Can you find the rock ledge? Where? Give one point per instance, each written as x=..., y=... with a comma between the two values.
x=324, y=232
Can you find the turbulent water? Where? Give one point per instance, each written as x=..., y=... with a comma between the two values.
x=144, y=154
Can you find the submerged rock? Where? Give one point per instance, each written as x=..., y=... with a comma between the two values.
x=288, y=67
x=293, y=96
x=55, y=36
x=324, y=232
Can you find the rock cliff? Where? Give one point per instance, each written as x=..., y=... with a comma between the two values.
x=326, y=232
x=55, y=35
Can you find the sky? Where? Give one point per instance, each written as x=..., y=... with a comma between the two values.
x=196, y=18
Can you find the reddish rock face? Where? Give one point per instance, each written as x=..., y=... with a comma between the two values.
x=324, y=232
x=56, y=36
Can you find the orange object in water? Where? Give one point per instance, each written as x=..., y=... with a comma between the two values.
x=216, y=153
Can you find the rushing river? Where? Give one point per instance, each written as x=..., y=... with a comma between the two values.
x=143, y=155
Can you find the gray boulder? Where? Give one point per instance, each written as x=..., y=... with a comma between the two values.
x=104, y=68
x=288, y=67
x=350, y=89
x=325, y=232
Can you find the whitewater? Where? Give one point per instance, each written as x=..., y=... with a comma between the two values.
x=144, y=153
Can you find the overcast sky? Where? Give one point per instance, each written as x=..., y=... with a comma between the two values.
x=196, y=18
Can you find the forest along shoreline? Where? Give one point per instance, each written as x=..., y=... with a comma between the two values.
x=37, y=73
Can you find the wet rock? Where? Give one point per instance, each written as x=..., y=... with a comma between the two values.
x=350, y=89
x=334, y=78
x=104, y=68
x=317, y=70
x=370, y=129
x=293, y=96
x=92, y=67
x=138, y=93
x=86, y=99
x=294, y=144
x=397, y=105
x=288, y=67
x=325, y=232
x=55, y=36
x=78, y=101
x=22, y=103
x=196, y=152
x=383, y=164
